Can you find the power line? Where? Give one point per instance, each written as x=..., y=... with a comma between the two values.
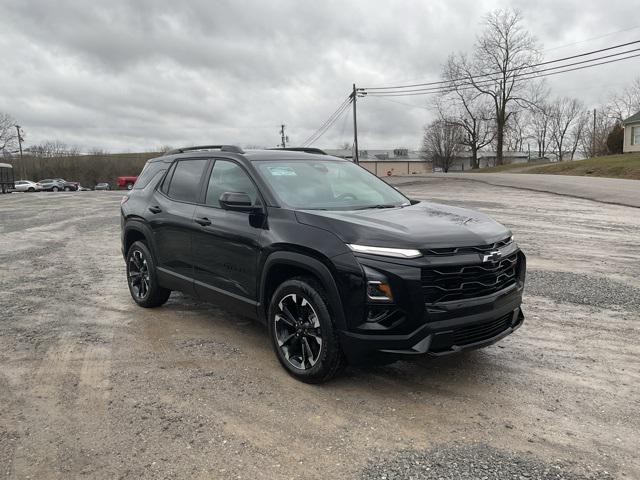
x=328, y=123
x=558, y=47
x=571, y=57
x=320, y=134
x=519, y=78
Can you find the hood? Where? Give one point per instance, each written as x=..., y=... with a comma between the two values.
x=423, y=225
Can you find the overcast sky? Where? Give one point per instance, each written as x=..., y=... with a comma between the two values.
x=134, y=75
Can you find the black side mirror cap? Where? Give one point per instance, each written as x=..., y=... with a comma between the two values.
x=237, y=201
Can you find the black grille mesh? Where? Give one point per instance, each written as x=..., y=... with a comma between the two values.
x=483, y=331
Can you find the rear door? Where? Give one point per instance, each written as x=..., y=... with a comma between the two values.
x=170, y=213
x=226, y=243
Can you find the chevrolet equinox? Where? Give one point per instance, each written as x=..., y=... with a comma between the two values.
x=338, y=264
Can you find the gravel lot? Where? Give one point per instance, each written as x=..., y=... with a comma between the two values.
x=93, y=386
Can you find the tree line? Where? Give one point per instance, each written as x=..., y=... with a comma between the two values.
x=485, y=104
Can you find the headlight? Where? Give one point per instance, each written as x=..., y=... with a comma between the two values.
x=386, y=252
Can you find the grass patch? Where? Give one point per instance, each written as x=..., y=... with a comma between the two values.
x=613, y=166
x=626, y=165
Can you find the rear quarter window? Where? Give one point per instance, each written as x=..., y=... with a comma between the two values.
x=149, y=172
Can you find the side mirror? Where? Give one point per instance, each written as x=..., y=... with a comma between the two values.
x=237, y=201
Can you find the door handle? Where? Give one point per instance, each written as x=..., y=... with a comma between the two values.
x=204, y=221
x=155, y=209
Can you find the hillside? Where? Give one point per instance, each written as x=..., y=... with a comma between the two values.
x=613, y=166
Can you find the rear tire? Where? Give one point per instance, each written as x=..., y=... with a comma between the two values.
x=31, y=189
x=67, y=189
x=142, y=277
x=55, y=189
x=302, y=333
x=129, y=186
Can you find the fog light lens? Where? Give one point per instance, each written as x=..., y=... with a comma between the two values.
x=380, y=291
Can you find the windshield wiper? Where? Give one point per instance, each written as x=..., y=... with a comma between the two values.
x=381, y=205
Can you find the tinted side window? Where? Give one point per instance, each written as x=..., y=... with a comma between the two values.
x=227, y=176
x=185, y=180
x=148, y=172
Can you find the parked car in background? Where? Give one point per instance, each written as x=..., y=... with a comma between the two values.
x=52, y=184
x=126, y=182
x=102, y=186
x=27, y=186
x=6, y=178
x=68, y=186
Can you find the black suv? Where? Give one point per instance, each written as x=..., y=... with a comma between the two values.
x=337, y=263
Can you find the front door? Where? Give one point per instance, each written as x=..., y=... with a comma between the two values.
x=226, y=245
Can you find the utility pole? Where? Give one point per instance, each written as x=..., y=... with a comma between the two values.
x=19, y=140
x=593, y=138
x=354, y=96
x=283, y=137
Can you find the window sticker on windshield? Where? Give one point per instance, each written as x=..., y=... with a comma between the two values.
x=282, y=171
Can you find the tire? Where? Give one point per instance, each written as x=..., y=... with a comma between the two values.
x=55, y=189
x=31, y=189
x=140, y=265
x=67, y=189
x=129, y=186
x=304, y=339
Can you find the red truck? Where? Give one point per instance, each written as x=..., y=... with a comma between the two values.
x=126, y=182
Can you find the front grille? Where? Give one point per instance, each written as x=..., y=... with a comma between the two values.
x=480, y=332
x=449, y=283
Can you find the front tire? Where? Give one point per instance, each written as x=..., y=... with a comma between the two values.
x=67, y=189
x=302, y=333
x=55, y=189
x=142, y=277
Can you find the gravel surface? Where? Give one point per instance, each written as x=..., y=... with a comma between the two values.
x=566, y=287
x=92, y=386
x=473, y=462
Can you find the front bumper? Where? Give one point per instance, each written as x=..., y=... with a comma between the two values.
x=438, y=338
x=413, y=326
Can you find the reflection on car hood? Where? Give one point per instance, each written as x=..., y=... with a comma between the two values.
x=423, y=225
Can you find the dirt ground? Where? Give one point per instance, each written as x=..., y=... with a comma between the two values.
x=93, y=386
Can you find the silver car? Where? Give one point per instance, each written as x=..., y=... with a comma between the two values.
x=27, y=186
x=52, y=184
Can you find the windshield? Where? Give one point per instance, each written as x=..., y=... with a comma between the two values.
x=327, y=185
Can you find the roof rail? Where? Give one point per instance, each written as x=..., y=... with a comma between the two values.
x=317, y=151
x=222, y=148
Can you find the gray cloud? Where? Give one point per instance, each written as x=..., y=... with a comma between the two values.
x=134, y=75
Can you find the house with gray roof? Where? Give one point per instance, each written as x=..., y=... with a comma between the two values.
x=631, y=134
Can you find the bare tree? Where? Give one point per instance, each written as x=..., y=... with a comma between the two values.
x=594, y=140
x=515, y=131
x=503, y=52
x=468, y=109
x=441, y=143
x=578, y=132
x=8, y=133
x=625, y=103
x=565, y=113
x=54, y=149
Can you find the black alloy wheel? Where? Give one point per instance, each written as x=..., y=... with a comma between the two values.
x=141, y=277
x=302, y=332
x=298, y=333
x=138, y=275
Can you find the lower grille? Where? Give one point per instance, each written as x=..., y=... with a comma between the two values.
x=480, y=332
x=448, y=283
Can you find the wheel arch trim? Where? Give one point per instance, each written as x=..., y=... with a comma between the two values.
x=310, y=264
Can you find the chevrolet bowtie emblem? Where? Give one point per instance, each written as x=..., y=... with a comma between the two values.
x=492, y=256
